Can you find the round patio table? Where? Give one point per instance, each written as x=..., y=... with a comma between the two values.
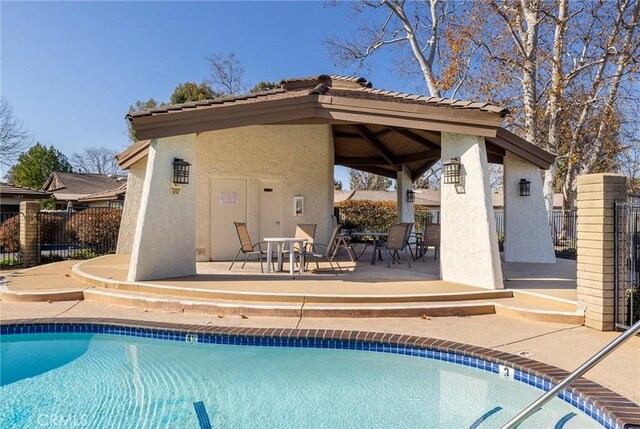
x=281, y=241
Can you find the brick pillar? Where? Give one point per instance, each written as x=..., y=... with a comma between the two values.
x=596, y=194
x=29, y=240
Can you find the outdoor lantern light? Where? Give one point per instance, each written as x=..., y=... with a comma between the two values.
x=180, y=171
x=451, y=171
x=525, y=188
x=411, y=196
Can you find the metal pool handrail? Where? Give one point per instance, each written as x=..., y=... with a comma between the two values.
x=593, y=361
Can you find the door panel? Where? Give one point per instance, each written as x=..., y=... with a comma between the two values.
x=269, y=209
x=228, y=205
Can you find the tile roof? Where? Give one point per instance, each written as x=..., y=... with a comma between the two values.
x=11, y=189
x=331, y=85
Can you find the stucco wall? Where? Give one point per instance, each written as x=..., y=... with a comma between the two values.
x=469, y=246
x=300, y=157
x=527, y=236
x=164, y=241
x=135, y=180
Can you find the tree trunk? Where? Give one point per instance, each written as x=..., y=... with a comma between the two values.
x=554, y=100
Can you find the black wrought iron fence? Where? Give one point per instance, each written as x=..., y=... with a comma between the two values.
x=563, y=225
x=564, y=232
x=78, y=234
x=10, y=256
x=627, y=262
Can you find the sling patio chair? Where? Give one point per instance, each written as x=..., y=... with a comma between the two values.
x=431, y=239
x=396, y=243
x=342, y=241
x=303, y=230
x=247, y=247
x=316, y=251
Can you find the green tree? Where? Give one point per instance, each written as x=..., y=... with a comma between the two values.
x=191, y=91
x=36, y=165
x=138, y=106
x=337, y=185
x=264, y=86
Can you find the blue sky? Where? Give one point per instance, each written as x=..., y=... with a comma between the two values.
x=71, y=69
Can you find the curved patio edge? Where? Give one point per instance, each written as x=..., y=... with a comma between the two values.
x=622, y=412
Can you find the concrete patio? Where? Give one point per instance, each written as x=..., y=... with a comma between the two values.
x=543, y=292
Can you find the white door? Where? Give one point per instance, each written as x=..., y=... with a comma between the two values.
x=228, y=205
x=269, y=209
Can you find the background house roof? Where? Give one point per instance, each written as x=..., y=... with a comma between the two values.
x=11, y=190
x=72, y=186
x=423, y=197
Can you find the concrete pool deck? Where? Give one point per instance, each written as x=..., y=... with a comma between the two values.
x=541, y=291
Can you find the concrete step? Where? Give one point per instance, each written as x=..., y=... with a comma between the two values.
x=510, y=307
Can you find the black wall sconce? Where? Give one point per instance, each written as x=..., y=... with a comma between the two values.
x=411, y=196
x=525, y=188
x=180, y=171
x=451, y=171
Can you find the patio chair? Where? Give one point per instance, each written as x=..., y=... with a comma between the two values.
x=303, y=230
x=396, y=242
x=431, y=239
x=342, y=242
x=247, y=247
x=316, y=251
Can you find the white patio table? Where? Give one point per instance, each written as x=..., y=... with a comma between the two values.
x=281, y=241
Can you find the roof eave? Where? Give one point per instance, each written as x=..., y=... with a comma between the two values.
x=314, y=106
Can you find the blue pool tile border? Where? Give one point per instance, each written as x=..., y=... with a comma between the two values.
x=525, y=370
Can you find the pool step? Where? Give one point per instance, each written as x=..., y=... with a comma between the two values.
x=510, y=307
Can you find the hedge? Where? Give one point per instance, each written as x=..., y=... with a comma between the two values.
x=96, y=228
x=375, y=216
x=10, y=234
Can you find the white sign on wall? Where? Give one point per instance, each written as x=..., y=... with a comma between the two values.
x=228, y=198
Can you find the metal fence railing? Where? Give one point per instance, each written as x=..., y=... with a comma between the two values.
x=626, y=247
x=10, y=256
x=78, y=234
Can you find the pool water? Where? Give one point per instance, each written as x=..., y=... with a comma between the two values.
x=108, y=381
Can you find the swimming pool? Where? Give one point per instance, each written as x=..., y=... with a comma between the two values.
x=97, y=375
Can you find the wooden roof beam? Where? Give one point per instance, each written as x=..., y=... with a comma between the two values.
x=416, y=138
x=376, y=144
x=378, y=160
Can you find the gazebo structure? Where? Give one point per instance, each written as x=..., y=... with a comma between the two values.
x=267, y=159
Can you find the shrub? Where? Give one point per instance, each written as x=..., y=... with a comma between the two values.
x=10, y=234
x=377, y=216
x=52, y=228
x=366, y=215
x=96, y=228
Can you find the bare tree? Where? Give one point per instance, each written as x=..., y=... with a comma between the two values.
x=363, y=181
x=227, y=74
x=409, y=26
x=430, y=179
x=14, y=137
x=96, y=160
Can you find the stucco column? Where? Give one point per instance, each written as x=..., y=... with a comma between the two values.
x=135, y=182
x=29, y=239
x=469, y=245
x=596, y=194
x=405, y=209
x=527, y=235
x=164, y=240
